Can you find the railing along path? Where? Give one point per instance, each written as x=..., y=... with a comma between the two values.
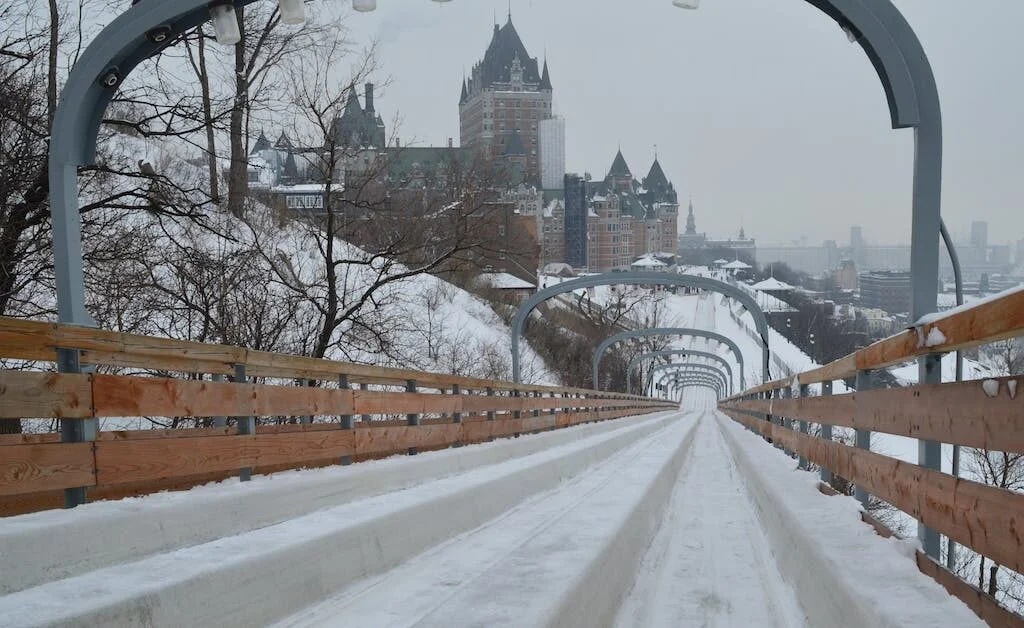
x=986, y=414
x=359, y=413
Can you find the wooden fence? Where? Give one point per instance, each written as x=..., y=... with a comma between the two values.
x=315, y=413
x=986, y=414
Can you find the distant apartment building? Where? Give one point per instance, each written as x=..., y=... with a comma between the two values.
x=575, y=234
x=889, y=291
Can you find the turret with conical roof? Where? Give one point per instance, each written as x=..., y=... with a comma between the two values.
x=619, y=167
x=545, y=78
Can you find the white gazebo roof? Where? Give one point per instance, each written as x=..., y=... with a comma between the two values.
x=649, y=262
x=719, y=262
x=737, y=265
x=771, y=284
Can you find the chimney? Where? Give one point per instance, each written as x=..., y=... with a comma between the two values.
x=369, y=98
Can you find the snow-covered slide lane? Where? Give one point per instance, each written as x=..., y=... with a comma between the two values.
x=58, y=544
x=710, y=564
x=264, y=574
x=563, y=558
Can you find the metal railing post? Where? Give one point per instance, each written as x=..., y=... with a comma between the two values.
x=307, y=419
x=74, y=430
x=826, y=432
x=456, y=416
x=412, y=419
x=863, y=437
x=219, y=421
x=346, y=419
x=246, y=424
x=802, y=462
x=365, y=417
x=490, y=413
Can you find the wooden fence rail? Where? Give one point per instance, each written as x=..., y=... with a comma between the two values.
x=34, y=467
x=985, y=414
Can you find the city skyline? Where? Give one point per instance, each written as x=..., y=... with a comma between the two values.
x=721, y=118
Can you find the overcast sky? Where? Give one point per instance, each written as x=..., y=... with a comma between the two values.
x=761, y=109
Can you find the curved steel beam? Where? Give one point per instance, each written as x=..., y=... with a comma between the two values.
x=689, y=366
x=672, y=352
x=640, y=279
x=671, y=331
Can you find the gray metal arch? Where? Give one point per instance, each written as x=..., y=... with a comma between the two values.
x=689, y=366
x=692, y=367
x=672, y=331
x=663, y=387
x=677, y=387
x=650, y=279
x=692, y=380
x=672, y=352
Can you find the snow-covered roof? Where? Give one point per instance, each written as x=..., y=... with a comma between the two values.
x=720, y=261
x=737, y=265
x=772, y=284
x=649, y=262
x=505, y=281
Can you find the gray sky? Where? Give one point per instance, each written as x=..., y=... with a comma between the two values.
x=761, y=109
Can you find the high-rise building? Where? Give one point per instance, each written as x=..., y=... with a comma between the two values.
x=575, y=221
x=552, y=153
x=979, y=234
x=506, y=93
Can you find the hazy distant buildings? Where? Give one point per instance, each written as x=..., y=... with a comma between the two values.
x=697, y=248
x=979, y=234
x=552, y=153
x=507, y=93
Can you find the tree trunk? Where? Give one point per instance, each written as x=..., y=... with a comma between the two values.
x=238, y=176
x=211, y=146
x=51, y=82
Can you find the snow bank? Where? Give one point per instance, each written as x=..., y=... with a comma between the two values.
x=266, y=573
x=844, y=573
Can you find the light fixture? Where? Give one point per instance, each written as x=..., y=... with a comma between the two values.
x=364, y=5
x=686, y=4
x=292, y=11
x=225, y=23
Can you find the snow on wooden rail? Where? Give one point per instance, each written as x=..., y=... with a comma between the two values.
x=986, y=414
x=465, y=410
x=992, y=320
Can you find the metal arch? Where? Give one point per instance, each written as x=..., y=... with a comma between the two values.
x=693, y=367
x=668, y=377
x=689, y=366
x=689, y=380
x=692, y=380
x=671, y=352
x=881, y=30
x=680, y=385
x=637, y=278
x=671, y=331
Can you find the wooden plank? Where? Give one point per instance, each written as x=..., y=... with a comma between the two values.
x=160, y=363
x=960, y=413
x=115, y=395
x=981, y=517
x=397, y=439
x=983, y=605
x=377, y=402
x=28, y=439
x=32, y=394
x=35, y=468
x=121, y=462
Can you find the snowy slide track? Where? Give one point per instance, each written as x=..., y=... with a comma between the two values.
x=263, y=574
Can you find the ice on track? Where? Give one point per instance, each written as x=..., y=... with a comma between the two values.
x=710, y=564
